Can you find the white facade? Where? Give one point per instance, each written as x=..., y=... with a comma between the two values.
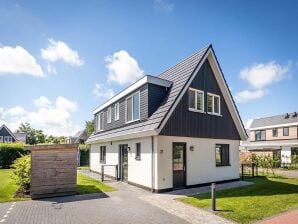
x=156, y=170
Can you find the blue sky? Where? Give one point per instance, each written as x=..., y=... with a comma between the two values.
x=61, y=59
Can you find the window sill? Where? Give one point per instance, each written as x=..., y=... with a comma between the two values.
x=219, y=115
x=197, y=111
x=138, y=158
x=102, y=162
x=221, y=165
x=127, y=122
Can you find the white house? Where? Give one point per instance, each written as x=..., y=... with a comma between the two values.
x=179, y=129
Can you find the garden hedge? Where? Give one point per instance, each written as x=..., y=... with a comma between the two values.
x=9, y=153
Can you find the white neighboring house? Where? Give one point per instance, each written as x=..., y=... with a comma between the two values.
x=274, y=135
x=179, y=129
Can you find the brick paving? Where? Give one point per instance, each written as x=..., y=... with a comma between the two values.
x=285, y=218
x=127, y=205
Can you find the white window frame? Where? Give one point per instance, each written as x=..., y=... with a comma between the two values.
x=131, y=96
x=109, y=115
x=203, y=101
x=7, y=139
x=116, y=111
x=98, y=120
x=219, y=104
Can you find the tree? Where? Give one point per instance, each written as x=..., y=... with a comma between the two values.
x=33, y=136
x=89, y=126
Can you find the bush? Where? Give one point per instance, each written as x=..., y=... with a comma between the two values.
x=84, y=155
x=9, y=153
x=21, y=172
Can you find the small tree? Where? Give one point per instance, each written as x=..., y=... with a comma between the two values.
x=21, y=173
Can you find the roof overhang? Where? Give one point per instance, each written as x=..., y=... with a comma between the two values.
x=270, y=144
x=106, y=138
x=146, y=79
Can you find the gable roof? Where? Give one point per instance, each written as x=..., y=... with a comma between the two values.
x=22, y=137
x=278, y=120
x=181, y=76
x=8, y=130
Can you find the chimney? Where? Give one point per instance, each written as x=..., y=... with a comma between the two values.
x=287, y=116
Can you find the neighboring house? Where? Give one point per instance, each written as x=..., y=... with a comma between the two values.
x=6, y=136
x=180, y=129
x=274, y=135
x=80, y=137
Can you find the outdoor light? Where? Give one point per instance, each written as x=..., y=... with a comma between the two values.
x=191, y=148
x=128, y=148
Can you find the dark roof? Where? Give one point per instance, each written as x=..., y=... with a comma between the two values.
x=275, y=120
x=9, y=131
x=179, y=75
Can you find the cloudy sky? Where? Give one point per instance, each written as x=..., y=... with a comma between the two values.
x=61, y=59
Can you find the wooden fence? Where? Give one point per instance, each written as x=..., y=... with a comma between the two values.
x=53, y=170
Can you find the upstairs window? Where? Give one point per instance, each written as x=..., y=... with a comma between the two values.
x=260, y=135
x=99, y=122
x=138, y=151
x=133, y=107
x=109, y=115
x=195, y=100
x=116, y=111
x=102, y=156
x=286, y=131
x=274, y=132
x=222, y=155
x=213, y=104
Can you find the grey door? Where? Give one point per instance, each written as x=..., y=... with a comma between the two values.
x=123, y=162
x=179, y=165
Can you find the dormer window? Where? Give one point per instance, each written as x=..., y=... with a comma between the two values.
x=195, y=100
x=116, y=112
x=133, y=107
x=109, y=115
x=213, y=104
x=99, y=121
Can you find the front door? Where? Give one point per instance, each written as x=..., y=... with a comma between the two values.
x=123, y=162
x=179, y=165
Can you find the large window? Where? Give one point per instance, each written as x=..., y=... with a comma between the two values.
x=196, y=100
x=133, y=107
x=116, y=111
x=274, y=132
x=99, y=121
x=260, y=135
x=286, y=131
x=213, y=104
x=109, y=115
x=102, y=156
x=7, y=139
x=222, y=155
x=138, y=151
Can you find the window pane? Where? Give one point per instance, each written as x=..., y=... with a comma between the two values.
x=138, y=150
x=286, y=131
x=274, y=132
x=263, y=135
x=136, y=106
x=199, y=101
x=101, y=121
x=98, y=122
x=191, y=99
x=129, y=109
x=109, y=114
x=209, y=104
x=116, y=111
x=216, y=104
x=218, y=155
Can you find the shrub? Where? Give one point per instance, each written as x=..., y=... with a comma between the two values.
x=9, y=153
x=21, y=172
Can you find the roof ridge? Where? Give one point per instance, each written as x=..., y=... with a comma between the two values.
x=279, y=115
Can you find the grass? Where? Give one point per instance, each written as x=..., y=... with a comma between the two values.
x=265, y=198
x=8, y=187
x=87, y=185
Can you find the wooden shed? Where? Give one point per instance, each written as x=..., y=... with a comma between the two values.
x=53, y=170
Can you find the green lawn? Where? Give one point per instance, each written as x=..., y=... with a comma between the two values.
x=7, y=187
x=265, y=198
x=87, y=185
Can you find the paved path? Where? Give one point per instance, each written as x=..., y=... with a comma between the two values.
x=127, y=205
x=285, y=218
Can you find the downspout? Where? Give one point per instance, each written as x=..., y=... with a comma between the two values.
x=152, y=164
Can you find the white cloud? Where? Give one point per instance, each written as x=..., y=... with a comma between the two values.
x=18, y=61
x=262, y=75
x=42, y=101
x=163, y=6
x=51, y=69
x=58, y=50
x=247, y=95
x=54, y=119
x=122, y=68
x=101, y=91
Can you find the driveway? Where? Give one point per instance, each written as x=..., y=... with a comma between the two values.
x=127, y=205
